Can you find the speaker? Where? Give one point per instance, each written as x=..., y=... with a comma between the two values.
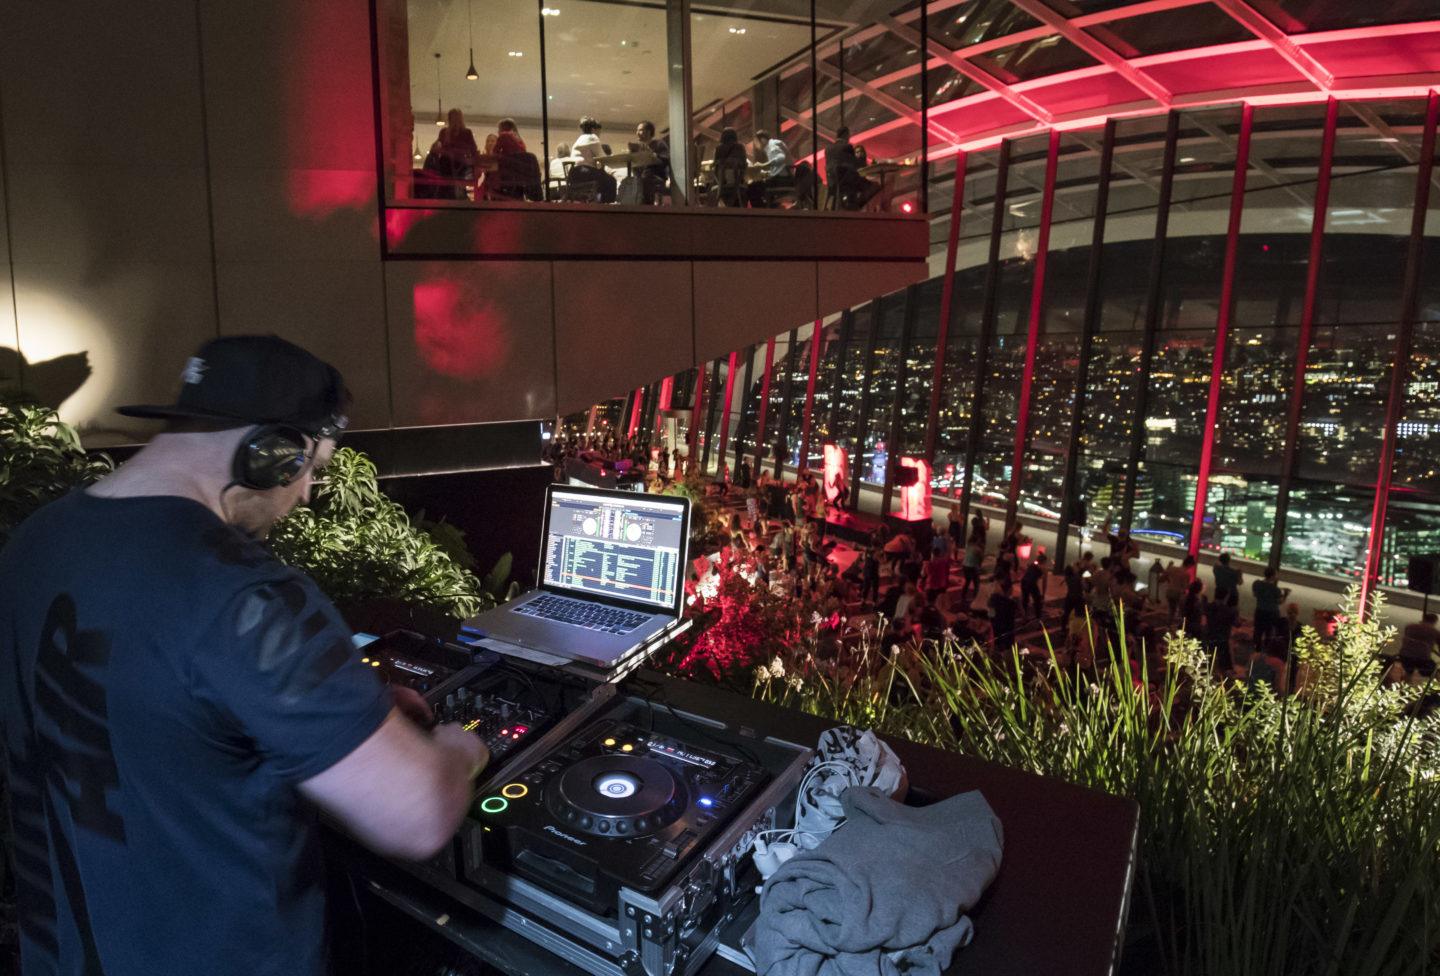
x=905, y=476
x=1422, y=572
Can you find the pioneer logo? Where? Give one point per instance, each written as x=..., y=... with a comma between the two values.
x=550, y=829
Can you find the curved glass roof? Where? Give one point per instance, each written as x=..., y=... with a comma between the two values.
x=1003, y=67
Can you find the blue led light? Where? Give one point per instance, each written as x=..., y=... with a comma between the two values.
x=705, y=801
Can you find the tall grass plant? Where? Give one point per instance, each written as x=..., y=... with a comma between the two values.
x=1295, y=834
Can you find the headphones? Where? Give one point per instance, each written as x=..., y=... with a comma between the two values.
x=270, y=456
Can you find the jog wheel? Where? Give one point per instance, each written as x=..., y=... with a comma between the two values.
x=617, y=796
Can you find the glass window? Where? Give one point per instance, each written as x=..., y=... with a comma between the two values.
x=1417, y=442
x=963, y=339
x=605, y=63
x=876, y=449
x=963, y=24
x=452, y=70
x=1301, y=16
x=1076, y=8
x=1033, y=59
x=1327, y=527
x=1180, y=368
x=848, y=421
x=830, y=375
x=919, y=369
x=1057, y=357
x=1412, y=527
x=1347, y=371
x=1115, y=355
x=734, y=46
x=1200, y=25
x=1249, y=439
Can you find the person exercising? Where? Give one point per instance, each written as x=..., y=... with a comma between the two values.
x=177, y=704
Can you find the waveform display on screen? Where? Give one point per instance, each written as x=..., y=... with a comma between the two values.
x=619, y=549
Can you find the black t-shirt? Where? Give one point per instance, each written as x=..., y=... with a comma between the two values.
x=165, y=685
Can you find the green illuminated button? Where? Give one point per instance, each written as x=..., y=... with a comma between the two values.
x=494, y=804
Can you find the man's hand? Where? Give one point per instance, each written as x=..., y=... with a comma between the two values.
x=454, y=739
x=412, y=705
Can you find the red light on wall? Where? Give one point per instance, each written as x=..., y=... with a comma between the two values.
x=915, y=497
x=907, y=207
x=458, y=333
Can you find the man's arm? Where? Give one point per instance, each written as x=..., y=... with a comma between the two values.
x=402, y=792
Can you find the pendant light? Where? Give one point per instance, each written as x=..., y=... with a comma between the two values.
x=439, y=100
x=472, y=74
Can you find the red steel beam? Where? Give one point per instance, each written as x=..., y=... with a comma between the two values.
x=1222, y=325
x=697, y=418
x=1400, y=370
x=725, y=410
x=1307, y=328
x=809, y=396
x=947, y=294
x=1032, y=338
x=764, y=405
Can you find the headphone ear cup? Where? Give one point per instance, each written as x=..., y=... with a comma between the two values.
x=270, y=457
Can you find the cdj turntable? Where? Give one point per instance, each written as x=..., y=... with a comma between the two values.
x=625, y=845
x=614, y=807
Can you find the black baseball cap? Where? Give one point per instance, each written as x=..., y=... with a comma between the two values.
x=257, y=380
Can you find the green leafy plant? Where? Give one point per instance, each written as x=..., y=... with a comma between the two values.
x=359, y=546
x=1280, y=834
x=40, y=459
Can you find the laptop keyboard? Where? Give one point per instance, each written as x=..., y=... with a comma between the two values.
x=580, y=613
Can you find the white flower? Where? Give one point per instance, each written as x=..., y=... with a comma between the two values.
x=777, y=667
x=762, y=673
x=796, y=683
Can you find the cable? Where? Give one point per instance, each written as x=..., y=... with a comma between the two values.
x=790, y=833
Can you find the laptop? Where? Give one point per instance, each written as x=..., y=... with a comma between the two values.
x=612, y=572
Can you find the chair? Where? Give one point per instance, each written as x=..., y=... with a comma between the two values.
x=730, y=184
x=582, y=185
x=517, y=178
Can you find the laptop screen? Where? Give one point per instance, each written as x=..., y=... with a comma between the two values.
x=624, y=548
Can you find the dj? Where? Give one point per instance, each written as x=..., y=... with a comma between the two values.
x=176, y=703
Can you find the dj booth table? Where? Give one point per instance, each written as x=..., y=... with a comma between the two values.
x=1057, y=907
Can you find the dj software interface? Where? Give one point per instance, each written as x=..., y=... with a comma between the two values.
x=620, y=548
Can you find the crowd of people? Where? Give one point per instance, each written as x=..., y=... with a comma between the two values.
x=587, y=169
x=954, y=585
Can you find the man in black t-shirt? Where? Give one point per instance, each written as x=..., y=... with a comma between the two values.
x=177, y=704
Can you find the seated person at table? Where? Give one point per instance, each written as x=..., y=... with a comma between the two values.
x=589, y=149
x=652, y=178
x=516, y=175
x=507, y=138
x=451, y=160
x=779, y=173
x=843, y=162
x=730, y=163
x=562, y=156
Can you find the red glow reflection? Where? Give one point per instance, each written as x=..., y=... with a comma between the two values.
x=400, y=222
x=329, y=149
x=837, y=471
x=319, y=193
x=915, y=498
x=459, y=332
